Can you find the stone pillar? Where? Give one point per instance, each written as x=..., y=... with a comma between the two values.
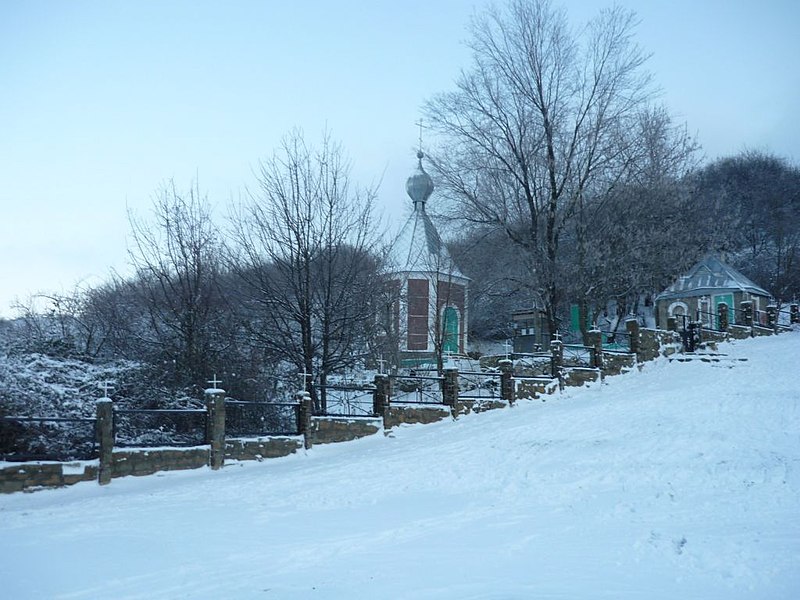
x=722, y=315
x=450, y=387
x=556, y=359
x=747, y=313
x=380, y=397
x=305, y=411
x=595, y=340
x=507, y=380
x=215, y=407
x=105, y=439
x=794, y=313
x=672, y=324
x=632, y=326
x=772, y=316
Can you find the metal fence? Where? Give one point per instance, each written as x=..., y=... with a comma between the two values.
x=535, y=364
x=48, y=438
x=416, y=389
x=578, y=356
x=616, y=341
x=160, y=427
x=248, y=419
x=346, y=400
x=478, y=385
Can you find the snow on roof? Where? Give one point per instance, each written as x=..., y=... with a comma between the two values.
x=418, y=247
x=708, y=276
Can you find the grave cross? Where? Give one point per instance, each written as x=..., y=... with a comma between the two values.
x=106, y=386
x=214, y=382
x=305, y=378
x=507, y=346
x=381, y=362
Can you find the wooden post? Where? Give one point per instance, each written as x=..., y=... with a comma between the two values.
x=595, y=339
x=747, y=313
x=304, y=413
x=507, y=380
x=215, y=408
x=105, y=439
x=557, y=360
x=722, y=315
x=772, y=316
x=794, y=313
x=450, y=387
x=632, y=325
x=380, y=397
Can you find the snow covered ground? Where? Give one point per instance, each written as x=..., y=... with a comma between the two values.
x=681, y=481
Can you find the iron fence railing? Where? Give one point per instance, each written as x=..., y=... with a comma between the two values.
x=248, y=419
x=48, y=438
x=616, y=341
x=346, y=400
x=478, y=385
x=534, y=364
x=160, y=427
x=416, y=389
x=578, y=356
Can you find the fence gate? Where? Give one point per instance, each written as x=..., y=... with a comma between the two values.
x=478, y=385
x=416, y=389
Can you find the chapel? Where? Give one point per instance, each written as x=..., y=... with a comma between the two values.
x=429, y=313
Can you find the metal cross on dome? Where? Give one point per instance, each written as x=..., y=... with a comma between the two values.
x=419, y=123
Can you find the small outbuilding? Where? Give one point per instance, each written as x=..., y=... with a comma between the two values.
x=698, y=294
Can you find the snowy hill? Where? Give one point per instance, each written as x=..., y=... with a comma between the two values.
x=680, y=481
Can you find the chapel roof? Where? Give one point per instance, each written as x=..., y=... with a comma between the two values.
x=418, y=247
x=709, y=276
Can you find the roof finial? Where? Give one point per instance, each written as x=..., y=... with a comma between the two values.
x=419, y=151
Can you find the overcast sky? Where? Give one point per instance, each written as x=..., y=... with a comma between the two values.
x=101, y=102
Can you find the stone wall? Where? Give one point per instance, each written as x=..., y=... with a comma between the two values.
x=146, y=461
x=578, y=376
x=261, y=448
x=615, y=363
x=18, y=477
x=739, y=332
x=465, y=407
x=657, y=342
x=330, y=430
x=534, y=387
x=398, y=415
x=759, y=331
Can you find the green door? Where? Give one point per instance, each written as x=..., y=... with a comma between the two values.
x=723, y=299
x=450, y=330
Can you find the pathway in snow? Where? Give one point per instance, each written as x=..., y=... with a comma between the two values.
x=681, y=481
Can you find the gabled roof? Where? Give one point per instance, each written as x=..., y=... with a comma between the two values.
x=710, y=276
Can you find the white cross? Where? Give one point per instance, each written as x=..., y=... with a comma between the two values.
x=106, y=387
x=507, y=346
x=557, y=336
x=380, y=365
x=305, y=377
x=214, y=382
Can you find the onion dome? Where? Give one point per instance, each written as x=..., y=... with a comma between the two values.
x=420, y=185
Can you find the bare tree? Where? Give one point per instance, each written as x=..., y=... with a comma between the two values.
x=541, y=119
x=304, y=244
x=177, y=257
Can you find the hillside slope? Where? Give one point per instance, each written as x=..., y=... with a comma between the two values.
x=680, y=481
